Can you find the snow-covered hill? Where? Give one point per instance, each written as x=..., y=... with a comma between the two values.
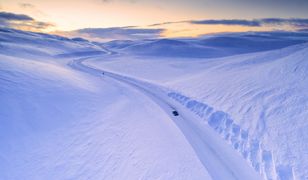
x=257, y=102
x=240, y=97
x=59, y=123
x=209, y=47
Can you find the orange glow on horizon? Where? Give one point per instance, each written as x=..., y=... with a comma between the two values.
x=192, y=30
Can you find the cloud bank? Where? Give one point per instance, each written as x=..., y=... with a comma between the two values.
x=135, y=33
x=297, y=22
x=25, y=22
x=22, y=21
x=14, y=17
x=227, y=22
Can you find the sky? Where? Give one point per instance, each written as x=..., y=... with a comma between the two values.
x=152, y=18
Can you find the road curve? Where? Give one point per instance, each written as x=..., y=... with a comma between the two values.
x=220, y=159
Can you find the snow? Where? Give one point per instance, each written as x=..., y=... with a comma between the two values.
x=257, y=102
x=58, y=123
x=242, y=102
x=211, y=151
x=208, y=47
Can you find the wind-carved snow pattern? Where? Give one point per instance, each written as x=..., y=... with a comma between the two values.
x=259, y=158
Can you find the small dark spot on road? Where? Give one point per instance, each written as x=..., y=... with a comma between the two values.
x=175, y=113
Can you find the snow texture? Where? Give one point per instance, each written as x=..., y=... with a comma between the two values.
x=242, y=100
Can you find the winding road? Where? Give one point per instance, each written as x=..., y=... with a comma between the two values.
x=220, y=159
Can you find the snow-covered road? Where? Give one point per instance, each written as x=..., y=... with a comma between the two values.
x=218, y=158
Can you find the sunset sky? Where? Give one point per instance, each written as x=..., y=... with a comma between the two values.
x=168, y=18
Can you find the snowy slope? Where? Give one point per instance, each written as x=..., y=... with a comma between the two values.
x=210, y=149
x=35, y=45
x=242, y=100
x=59, y=123
x=208, y=47
x=267, y=96
x=257, y=102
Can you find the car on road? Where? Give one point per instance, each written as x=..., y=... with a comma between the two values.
x=175, y=113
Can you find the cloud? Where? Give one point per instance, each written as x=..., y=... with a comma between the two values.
x=296, y=22
x=33, y=26
x=32, y=8
x=303, y=30
x=166, y=23
x=22, y=21
x=26, y=5
x=135, y=32
x=115, y=33
x=14, y=17
x=109, y=1
x=240, y=22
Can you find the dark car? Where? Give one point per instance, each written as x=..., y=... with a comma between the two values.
x=175, y=113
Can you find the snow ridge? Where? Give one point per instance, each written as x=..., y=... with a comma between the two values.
x=251, y=149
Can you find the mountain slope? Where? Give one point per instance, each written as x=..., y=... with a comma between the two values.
x=257, y=102
x=59, y=123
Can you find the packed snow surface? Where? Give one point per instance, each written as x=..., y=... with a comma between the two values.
x=75, y=109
